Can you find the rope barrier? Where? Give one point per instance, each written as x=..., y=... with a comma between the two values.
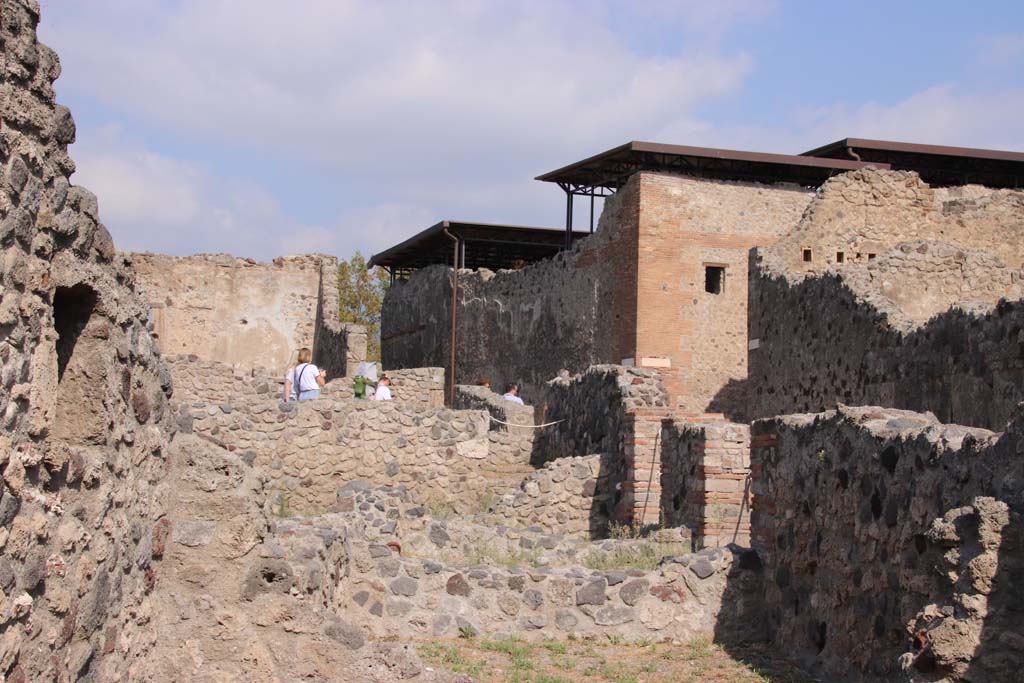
x=511, y=424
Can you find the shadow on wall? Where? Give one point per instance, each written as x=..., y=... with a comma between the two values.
x=819, y=345
x=81, y=368
x=999, y=655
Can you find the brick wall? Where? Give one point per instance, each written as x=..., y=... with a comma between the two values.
x=699, y=339
x=705, y=469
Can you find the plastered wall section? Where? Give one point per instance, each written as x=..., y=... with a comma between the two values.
x=567, y=312
x=245, y=312
x=698, y=340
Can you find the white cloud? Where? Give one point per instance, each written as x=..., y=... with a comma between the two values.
x=157, y=203
x=365, y=85
x=414, y=111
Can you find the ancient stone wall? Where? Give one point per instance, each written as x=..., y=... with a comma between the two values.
x=338, y=347
x=575, y=495
x=705, y=469
x=83, y=451
x=843, y=337
x=694, y=236
x=247, y=313
x=196, y=379
x=400, y=587
x=589, y=409
x=423, y=386
x=886, y=535
x=312, y=448
x=511, y=434
x=856, y=216
x=571, y=311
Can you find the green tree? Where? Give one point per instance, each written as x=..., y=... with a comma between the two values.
x=360, y=295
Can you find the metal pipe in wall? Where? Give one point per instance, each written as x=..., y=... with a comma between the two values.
x=455, y=314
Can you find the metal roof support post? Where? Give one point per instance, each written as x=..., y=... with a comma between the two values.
x=592, y=210
x=455, y=314
x=568, y=215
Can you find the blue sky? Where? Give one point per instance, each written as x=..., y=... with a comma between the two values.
x=265, y=128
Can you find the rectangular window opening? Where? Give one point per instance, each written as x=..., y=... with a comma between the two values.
x=871, y=257
x=714, y=279
x=807, y=254
x=840, y=257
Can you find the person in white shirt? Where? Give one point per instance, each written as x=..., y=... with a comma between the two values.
x=383, y=392
x=303, y=382
x=512, y=394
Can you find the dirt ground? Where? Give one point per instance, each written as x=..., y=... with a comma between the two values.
x=578, y=661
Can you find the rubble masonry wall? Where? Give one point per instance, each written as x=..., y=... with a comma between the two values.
x=833, y=338
x=878, y=524
x=311, y=448
x=570, y=311
x=83, y=398
x=867, y=212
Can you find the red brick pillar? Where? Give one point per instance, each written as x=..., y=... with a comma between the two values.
x=726, y=471
x=641, y=446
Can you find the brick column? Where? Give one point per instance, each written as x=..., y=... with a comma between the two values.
x=726, y=471
x=640, y=438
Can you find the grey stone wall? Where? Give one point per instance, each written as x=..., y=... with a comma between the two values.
x=311, y=448
x=590, y=408
x=83, y=400
x=523, y=326
x=196, y=379
x=418, y=385
x=839, y=338
x=573, y=495
x=396, y=592
x=891, y=539
x=516, y=438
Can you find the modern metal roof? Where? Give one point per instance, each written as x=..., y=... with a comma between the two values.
x=612, y=168
x=936, y=164
x=482, y=245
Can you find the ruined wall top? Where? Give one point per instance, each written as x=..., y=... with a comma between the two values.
x=242, y=311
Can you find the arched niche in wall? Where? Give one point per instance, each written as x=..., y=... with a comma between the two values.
x=80, y=411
